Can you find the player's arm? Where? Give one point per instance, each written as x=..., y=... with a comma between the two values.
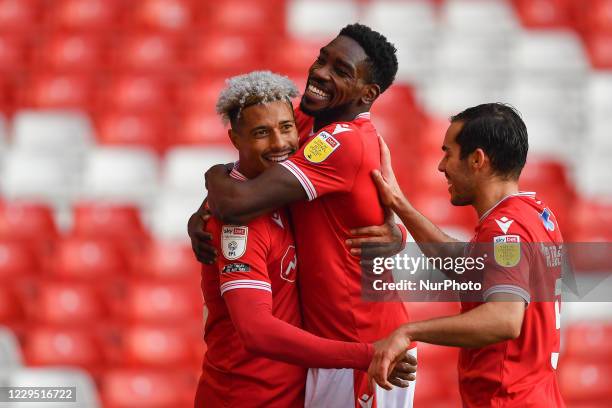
x=431, y=239
x=238, y=202
x=499, y=319
x=264, y=334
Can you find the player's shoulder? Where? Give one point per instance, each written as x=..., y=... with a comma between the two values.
x=522, y=214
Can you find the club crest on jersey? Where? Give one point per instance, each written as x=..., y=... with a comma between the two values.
x=507, y=250
x=320, y=147
x=234, y=241
x=545, y=217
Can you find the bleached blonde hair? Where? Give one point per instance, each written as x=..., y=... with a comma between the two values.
x=250, y=89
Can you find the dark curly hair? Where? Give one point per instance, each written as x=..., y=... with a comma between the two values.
x=380, y=52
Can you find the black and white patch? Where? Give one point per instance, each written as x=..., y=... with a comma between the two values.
x=236, y=267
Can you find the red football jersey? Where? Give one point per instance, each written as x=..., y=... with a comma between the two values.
x=333, y=166
x=260, y=255
x=520, y=372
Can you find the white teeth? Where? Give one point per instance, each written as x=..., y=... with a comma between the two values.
x=317, y=91
x=278, y=159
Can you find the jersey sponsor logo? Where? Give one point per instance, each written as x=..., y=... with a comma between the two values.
x=340, y=128
x=289, y=265
x=236, y=267
x=545, y=217
x=320, y=147
x=234, y=241
x=507, y=250
x=504, y=224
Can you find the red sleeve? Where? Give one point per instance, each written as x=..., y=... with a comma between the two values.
x=507, y=257
x=328, y=162
x=263, y=334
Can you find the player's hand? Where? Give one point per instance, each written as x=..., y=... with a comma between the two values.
x=201, y=241
x=388, y=190
x=387, y=353
x=214, y=180
x=404, y=371
x=379, y=240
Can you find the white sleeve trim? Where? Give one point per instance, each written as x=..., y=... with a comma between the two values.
x=245, y=284
x=302, y=178
x=512, y=289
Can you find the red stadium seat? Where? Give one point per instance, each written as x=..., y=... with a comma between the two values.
x=147, y=52
x=591, y=221
x=157, y=346
x=84, y=14
x=11, y=310
x=87, y=259
x=106, y=220
x=166, y=260
x=17, y=260
x=200, y=127
x=137, y=93
x=543, y=13
x=12, y=53
x=135, y=388
x=594, y=16
x=588, y=342
x=67, y=304
x=33, y=222
x=254, y=17
x=62, y=346
x=227, y=54
x=599, y=47
x=19, y=15
x=581, y=382
x=57, y=91
x=72, y=52
x=171, y=15
x=131, y=129
x=201, y=93
x=162, y=302
x=291, y=55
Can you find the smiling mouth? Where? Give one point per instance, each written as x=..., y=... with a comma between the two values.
x=277, y=158
x=318, y=92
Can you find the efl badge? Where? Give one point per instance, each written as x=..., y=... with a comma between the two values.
x=320, y=147
x=234, y=241
x=507, y=250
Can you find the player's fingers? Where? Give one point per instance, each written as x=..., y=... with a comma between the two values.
x=202, y=235
x=399, y=382
x=358, y=242
x=372, y=230
x=409, y=358
x=402, y=376
x=379, y=180
x=405, y=368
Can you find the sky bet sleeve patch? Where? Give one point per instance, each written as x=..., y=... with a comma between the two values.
x=507, y=250
x=234, y=241
x=236, y=267
x=320, y=147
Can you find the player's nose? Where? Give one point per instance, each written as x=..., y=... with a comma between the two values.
x=278, y=141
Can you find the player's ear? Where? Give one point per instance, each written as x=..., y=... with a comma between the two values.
x=478, y=159
x=234, y=138
x=371, y=92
